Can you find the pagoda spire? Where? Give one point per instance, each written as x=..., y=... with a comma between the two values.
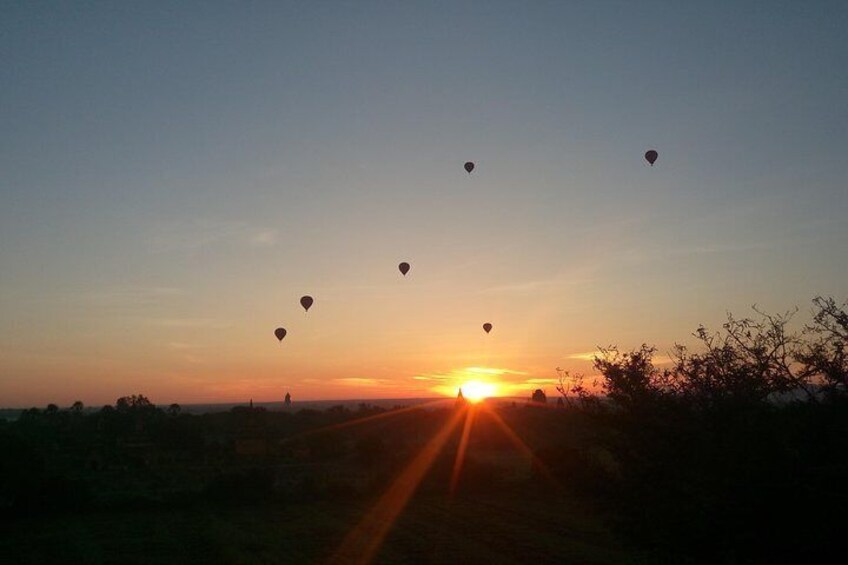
x=460, y=399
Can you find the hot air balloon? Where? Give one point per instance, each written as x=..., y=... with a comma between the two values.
x=651, y=156
x=306, y=302
x=280, y=333
x=487, y=327
x=469, y=166
x=403, y=268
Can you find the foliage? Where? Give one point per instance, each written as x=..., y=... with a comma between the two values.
x=630, y=379
x=720, y=454
x=824, y=355
x=572, y=389
x=750, y=361
x=134, y=403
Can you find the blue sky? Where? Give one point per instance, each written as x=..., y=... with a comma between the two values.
x=173, y=178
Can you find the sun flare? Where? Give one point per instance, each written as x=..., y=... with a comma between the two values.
x=475, y=391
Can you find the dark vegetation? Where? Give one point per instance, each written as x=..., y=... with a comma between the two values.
x=736, y=451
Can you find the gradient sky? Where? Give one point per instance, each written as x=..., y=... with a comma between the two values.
x=174, y=178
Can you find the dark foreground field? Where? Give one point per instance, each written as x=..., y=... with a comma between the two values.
x=434, y=529
x=533, y=483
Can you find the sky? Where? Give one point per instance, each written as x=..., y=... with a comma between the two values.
x=175, y=176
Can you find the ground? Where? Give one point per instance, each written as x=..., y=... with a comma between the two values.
x=433, y=529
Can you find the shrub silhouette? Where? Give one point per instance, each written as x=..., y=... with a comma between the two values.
x=722, y=452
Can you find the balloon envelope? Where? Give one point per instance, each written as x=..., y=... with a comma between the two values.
x=487, y=327
x=306, y=302
x=404, y=268
x=651, y=156
x=280, y=333
x=469, y=166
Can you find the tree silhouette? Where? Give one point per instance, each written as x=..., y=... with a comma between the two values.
x=748, y=361
x=732, y=439
x=134, y=403
x=630, y=379
x=824, y=355
x=571, y=388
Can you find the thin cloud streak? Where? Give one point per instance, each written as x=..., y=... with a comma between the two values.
x=363, y=381
x=587, y=356
x=537, y=285
x=131, y=294
x=590, y=356
x=195, y=234
x=468, y=373
x=637, y=255
x=209, y=323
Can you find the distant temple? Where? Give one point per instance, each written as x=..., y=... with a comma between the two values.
x=460, y=400
x=287, y=401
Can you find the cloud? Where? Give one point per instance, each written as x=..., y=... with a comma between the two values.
x=492, y=371
x=540, y=285
x=468, y=373
x=264, y=237
x=209, y=323
x=183, y=346
x=120, y=295
x=195, y=234
x=587, y=356
x=194, y=359
x=590, y=356
x=128, y=301
x=640, y=255
x=364, y=381
x=359, y=381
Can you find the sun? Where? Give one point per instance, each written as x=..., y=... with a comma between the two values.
x=475, y=391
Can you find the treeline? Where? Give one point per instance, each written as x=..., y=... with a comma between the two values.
x=736, y=452
x=135, y=454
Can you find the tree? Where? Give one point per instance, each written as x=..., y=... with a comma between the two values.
x=29, y=415
x=539, y=397
x=748, y=361
x=134, y=403
x=77, y=407
x=630, y=379
x=715, y=426
x=824, y=355
x=174, y=409
x=571, y=388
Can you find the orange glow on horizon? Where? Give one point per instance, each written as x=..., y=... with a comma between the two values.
x=475, y=391
x=476, y=383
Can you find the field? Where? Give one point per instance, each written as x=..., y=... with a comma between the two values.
x=434, y=529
